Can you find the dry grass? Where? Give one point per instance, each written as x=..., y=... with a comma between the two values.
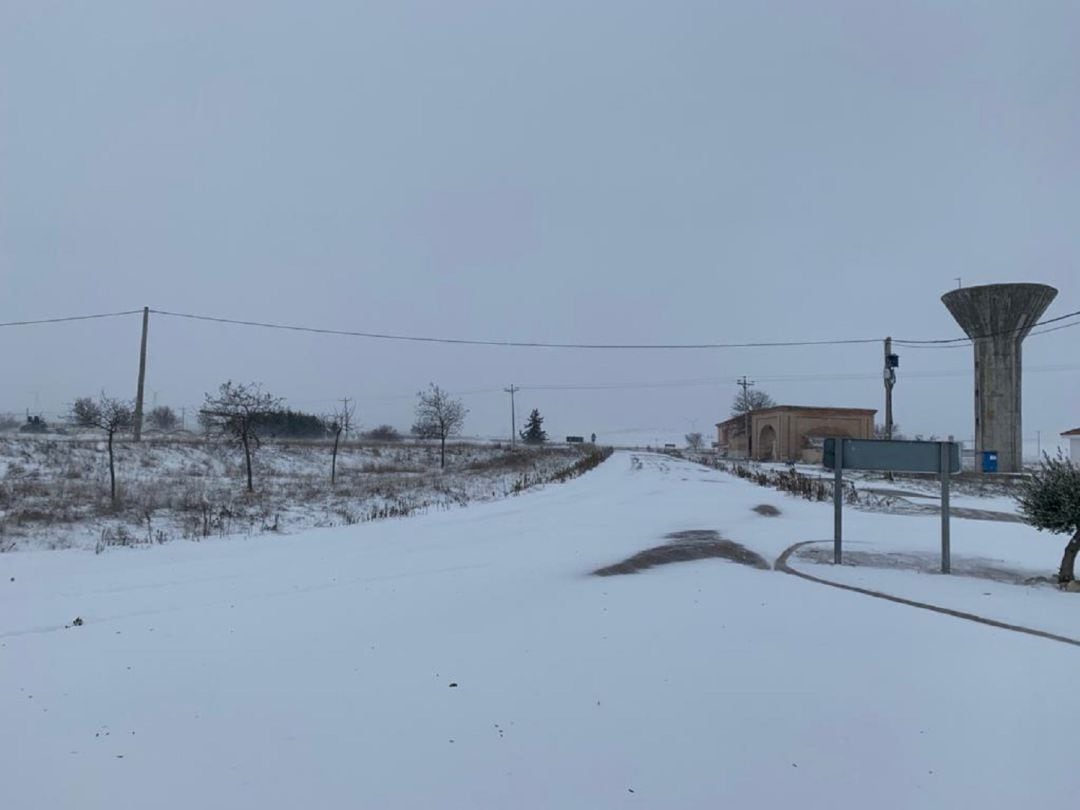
x=55, y=492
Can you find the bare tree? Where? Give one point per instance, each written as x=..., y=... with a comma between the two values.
x=162, y=417
x=881, y=433
x=694, y=441
x=235, y=412
x=746, y=401
x=107, y=414
x=85, y=412
x=438, y=415
x=340, y=421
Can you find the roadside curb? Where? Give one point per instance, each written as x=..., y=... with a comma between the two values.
x=782, y=564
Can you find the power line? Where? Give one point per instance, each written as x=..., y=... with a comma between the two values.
x=969, y=338
x=68, y=318
x=913, y=343
x=513, y=343
x=965, y=342
x=908, y=343
x=714, y=381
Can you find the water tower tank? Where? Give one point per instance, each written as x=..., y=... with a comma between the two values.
x=997, y=317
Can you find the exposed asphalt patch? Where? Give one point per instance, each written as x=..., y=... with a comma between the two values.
x=783, y=564
x=888, y=492
x=927, y=563
x=766, y=509
x=695, y=544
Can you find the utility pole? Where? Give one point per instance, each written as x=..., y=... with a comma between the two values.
x=513, y=418
x=142, y=375
x=891, y=362
x=746, y=386
x=346, y=417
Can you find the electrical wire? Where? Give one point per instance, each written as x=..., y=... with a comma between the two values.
x=910, y=343
x=67, y=318
x=714, y=381
x=899, y=342
x=513, y=343
x=965, y=342
x=969, y=338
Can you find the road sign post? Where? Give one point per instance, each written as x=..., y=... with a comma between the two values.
x=838, y=504
x=942, y=458
x=946, y=562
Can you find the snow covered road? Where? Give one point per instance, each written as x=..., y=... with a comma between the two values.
x=467, y=659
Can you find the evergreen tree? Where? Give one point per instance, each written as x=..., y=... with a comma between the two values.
x=534, y=432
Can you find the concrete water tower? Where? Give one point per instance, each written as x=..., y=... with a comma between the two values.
x=997, y=317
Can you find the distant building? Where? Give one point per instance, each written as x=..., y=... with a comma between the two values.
x=1074, y=443
x=791, y=432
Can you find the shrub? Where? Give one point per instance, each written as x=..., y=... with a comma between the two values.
x=1050, y=501
x=383, y=433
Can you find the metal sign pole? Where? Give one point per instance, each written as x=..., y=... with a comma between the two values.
x=838, y=500
x=946, y=562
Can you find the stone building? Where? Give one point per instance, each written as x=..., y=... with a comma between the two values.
x=1074, y=443
x=791, y=432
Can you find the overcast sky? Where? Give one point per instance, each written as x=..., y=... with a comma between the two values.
x=642, y=172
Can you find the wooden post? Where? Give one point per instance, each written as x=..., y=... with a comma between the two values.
x=142, y=376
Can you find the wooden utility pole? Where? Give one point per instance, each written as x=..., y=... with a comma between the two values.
x=142, y=376
x=890, y=381
x=513, y=418
x=346, y=417
x=746, y=386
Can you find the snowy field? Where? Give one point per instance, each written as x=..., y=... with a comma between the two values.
x=54, y=491
x=469, y=659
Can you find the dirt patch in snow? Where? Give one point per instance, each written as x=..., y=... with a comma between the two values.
x=695, y=544
x=766, y=509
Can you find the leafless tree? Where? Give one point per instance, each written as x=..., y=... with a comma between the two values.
x=235, y=411
x=694, y=440
x=85, y=412
x=745, y=402
x=107, y=414
x=438, y=415
x=881, y=433
x=340, y=421
x=162, y=417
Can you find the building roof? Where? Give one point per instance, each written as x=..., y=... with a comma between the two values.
x=822, y=411
x=1073, y=432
